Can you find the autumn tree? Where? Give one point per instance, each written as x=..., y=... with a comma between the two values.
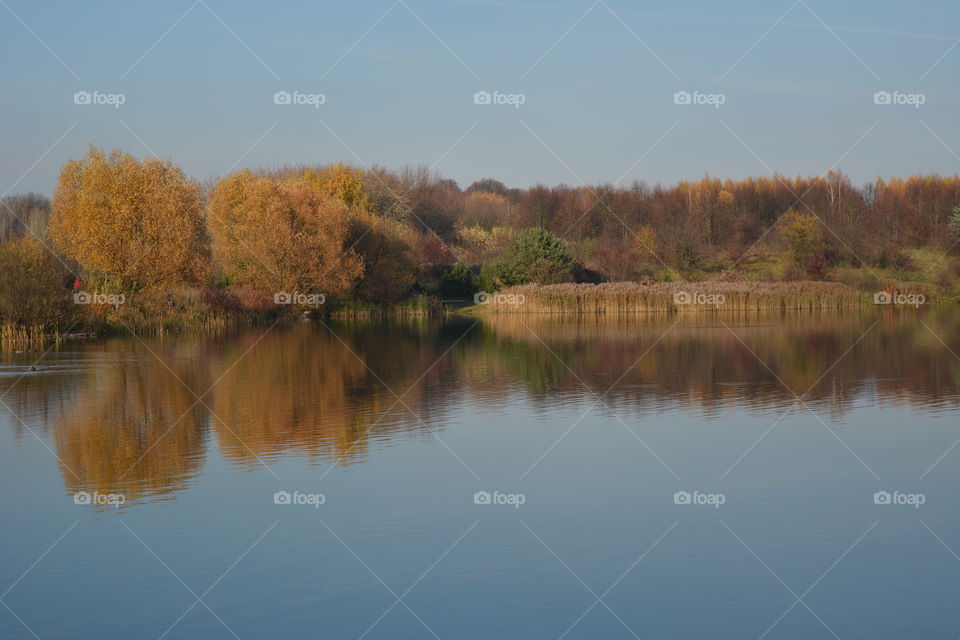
x=382, y=242
x=386, y=248
x=434, y=204
x=282, y=234
x=803, y=241
x=537, y=207
x=488, y=185
x=129, y=223
x=485, y=209
x=342, y=183
x=32, y=286
x=385, y=191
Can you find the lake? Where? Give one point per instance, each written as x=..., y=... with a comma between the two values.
x=699, y=475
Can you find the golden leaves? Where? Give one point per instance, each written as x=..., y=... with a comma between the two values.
x=129, y=223
x=281, y=234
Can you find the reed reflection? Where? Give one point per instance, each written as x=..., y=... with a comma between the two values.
x=745, y=360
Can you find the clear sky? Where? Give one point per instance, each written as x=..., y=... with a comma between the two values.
x=596, y=80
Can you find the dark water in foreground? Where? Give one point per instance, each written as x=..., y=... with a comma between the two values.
x=700, y=476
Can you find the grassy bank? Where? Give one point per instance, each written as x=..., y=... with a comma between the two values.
x=661, y=297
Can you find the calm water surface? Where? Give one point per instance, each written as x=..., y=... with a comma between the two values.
x=692, y=476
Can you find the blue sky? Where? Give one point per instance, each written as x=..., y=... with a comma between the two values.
x=597, y=79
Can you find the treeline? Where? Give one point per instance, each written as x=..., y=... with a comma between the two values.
x=638, y=232
x=179, y=251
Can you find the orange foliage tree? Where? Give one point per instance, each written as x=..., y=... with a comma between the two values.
x=130, y=224
x=281, y=234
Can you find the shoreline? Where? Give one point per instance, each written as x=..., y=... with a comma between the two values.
x=621, y=298
x=606, y=299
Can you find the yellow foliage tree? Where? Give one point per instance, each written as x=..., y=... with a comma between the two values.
x=342, y=183
x=281, y=234
x=485, y=210
x=129, y=223
x=802, y=237
x=646, y=241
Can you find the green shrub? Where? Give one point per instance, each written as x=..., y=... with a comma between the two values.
x=459, y=282
x=534, y=255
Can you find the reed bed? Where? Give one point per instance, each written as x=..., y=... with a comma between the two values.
x=665, y=297
x=20, y=335
x=415, y=306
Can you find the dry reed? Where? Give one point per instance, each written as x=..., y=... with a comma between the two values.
x=630, y=297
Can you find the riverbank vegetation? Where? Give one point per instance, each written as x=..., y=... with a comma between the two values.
x=631, y=297
x=137, y=245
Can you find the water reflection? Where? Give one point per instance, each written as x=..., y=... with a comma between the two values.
x=739, y=360
x=139, y=418
x=135, y=426
x=322, y=390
